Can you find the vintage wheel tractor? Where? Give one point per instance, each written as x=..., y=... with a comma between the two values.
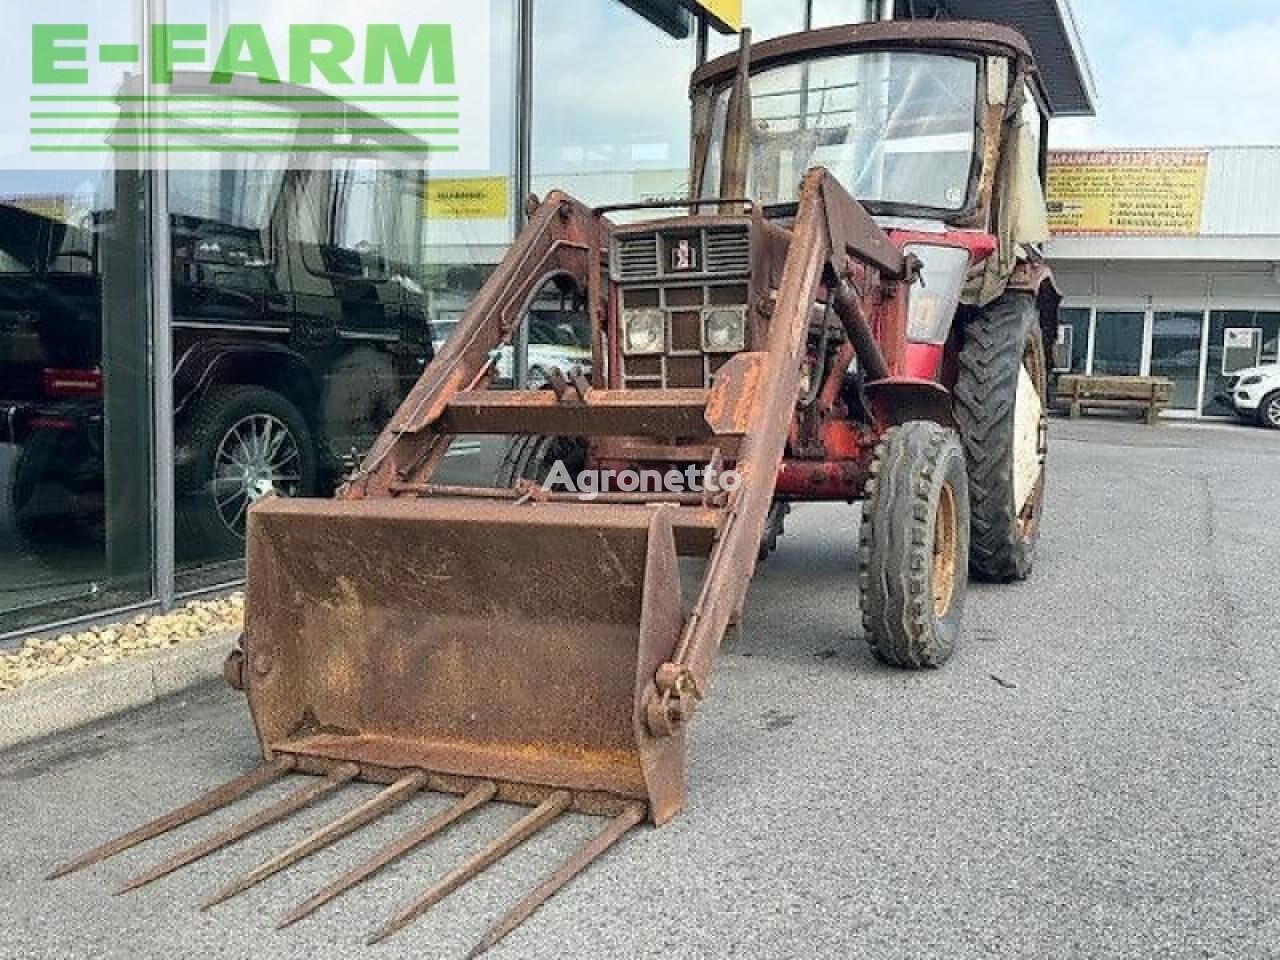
x=852, y=308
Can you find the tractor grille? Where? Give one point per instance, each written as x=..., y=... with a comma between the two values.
x=728, y=251
x=675, y=253
x=682, y=364
x=637, y=258
x=681, y=272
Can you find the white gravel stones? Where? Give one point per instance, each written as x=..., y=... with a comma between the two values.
x=38, y=658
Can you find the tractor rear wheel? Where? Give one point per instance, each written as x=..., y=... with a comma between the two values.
x=531, y=457
x=914, y=546
x=1000, y=408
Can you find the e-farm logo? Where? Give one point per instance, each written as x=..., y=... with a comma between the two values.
x=323, y=49
x=294, y=88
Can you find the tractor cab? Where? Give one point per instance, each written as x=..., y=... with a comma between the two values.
x=938, y=129
x=915, y=119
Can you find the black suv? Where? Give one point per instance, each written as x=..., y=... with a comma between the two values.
x=298, y=326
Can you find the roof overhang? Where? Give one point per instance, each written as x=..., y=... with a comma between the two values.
x=1050, y=28
x=1064, y=249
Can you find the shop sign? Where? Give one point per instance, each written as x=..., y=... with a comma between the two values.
x=1241, y=349
x=466, y=198
x=725, y=14
x=1127, y=193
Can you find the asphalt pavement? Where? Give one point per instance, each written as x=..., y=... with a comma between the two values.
x=1094, y=775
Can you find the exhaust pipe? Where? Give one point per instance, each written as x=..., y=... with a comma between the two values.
x=737, y=133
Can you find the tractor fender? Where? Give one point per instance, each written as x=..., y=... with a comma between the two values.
x=898, y=400
x=1036, y=278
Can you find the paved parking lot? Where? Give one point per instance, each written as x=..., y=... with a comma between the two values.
x=1094, y=775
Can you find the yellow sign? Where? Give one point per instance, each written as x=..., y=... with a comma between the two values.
x=467, y=198
x=1127, y=192
x=725, y=14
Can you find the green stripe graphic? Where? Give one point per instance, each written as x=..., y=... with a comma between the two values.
x=252, y=97
x=241, y=114
x=247, y=148
x=239, y=131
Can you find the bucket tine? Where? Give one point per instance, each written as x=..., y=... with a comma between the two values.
x=515, y=835
x=213, y=800
x=479, y=796
x=613, y=831
x=238, y=831
x=371, y=809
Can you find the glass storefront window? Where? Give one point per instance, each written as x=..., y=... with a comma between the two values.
x=766, y=18
x=830, y=13
x=623, y=138
x=75, y=396
x=307, y=303
x=1220, y=321
x=1071, y=353
x=776, y=18
x=1175, y=353
x=1117, y=348
x=624, y=135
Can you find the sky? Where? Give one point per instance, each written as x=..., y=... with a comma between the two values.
x=1179, y=73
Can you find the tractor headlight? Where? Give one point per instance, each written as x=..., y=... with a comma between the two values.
x=724, y=329
x=644, y=331
x=935, y=298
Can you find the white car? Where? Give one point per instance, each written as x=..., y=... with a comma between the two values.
x=1254, y=394
x=542, y=358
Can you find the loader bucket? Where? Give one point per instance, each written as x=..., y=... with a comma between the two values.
x=473, y=641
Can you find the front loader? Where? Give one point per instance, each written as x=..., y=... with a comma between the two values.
x=852, y=308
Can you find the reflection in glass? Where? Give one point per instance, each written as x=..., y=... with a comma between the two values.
x=307, y=303
x=299, y=326
x=830, y=13
x=625, y=135
x=74, y=396
x=1220, y=321
x=1175, y=354
x=767, y=19
x=1071, y=353
x=1117, y=348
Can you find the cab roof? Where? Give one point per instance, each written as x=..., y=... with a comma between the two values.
x=966, y=36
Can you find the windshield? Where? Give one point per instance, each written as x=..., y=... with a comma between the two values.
x=895, y=128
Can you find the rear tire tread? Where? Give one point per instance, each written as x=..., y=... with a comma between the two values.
x=990, y=364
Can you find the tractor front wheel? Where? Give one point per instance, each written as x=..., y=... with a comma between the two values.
x=913, y=556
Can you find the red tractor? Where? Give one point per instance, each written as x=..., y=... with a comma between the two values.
x=853, y=308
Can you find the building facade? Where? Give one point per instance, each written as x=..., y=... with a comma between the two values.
x=1170, y=265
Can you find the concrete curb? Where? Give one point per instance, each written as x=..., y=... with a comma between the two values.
x=54, y=704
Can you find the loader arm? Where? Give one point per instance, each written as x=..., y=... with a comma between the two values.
x=771, y=379
x=561, y=239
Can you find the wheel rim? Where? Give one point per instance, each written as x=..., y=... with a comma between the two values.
x=1030, y=436
x=256, y=457
x=946, y=538
x=1273, y=412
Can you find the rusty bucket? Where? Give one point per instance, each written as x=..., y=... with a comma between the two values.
x=483, y=641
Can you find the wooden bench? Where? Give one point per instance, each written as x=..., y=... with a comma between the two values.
x=1144, y=395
